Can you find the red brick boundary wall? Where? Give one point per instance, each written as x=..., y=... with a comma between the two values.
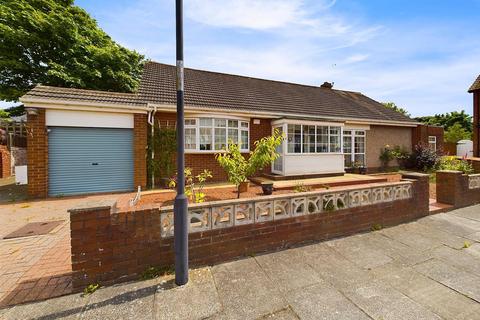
x=109, y=246
x=5, y=162
x=458, y=189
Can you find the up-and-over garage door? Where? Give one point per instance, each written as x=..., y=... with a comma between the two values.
x=89, y=160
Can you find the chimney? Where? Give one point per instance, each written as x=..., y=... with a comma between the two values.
x=327, y=85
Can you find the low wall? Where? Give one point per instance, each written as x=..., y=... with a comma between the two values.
x=109, y=246
x=5, y=162
x=458, y=189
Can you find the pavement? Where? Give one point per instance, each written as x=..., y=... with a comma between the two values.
x=427, y=269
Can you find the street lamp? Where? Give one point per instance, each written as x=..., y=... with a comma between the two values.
x=181, y=203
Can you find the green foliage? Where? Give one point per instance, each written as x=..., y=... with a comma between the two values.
x=466, y=245
x=448, y=119
x=240, y=169
x=456, y=164
x=387, y=154
x=194, y=184
x=91, y=288
x=377, y=227
x=16, y=111
x=154, y=272
x=54, y=42
x=300, y=187
x=425, y=158
x=456, y=133
x=164, y=144
x=394, y=107
x=4, y=114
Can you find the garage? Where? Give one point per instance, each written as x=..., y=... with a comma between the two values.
x=89, y=160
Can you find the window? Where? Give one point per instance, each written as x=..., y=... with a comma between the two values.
x=313, y=139
x=213, y=134
x=354, y=148
x=432, y=142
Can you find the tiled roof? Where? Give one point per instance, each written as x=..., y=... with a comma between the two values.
x=207, y=89
x=475, y=85
x=80, y=95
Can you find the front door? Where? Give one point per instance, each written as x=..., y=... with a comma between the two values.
x=277, y=166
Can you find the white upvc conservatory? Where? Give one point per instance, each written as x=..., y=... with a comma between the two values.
x=310, y=147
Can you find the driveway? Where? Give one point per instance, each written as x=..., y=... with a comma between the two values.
x=428, y=269
x=38, y=266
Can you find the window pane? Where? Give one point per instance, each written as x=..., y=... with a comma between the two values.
x=220, y=123
x=190, y=138
x=308, y=139
x=233, y=135
x=294, y=138
x=347, y=144
x=322, y=139
x=335, y=145
x=205, y=122
x=190, y=122
x=360, y=160
x=348, y=160
x=359, y=144
x=206, y=139
x=233, y=123
x=220, y=139
x=244, y=140
x=244, y=124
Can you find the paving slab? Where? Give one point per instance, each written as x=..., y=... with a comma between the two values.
x=458, y=258
x=438, y=298
x=196, y=300
x=67, y=307
x=461, y=281
x=322, y=301
x=132, y=300
x=468, y=212
x=452, y=223
x=286, y=314
x=288, y=270
x=380, y=301
x=245, y=291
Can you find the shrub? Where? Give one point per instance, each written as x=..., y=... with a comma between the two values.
x=388, y=154
x=193, y=184
x=425, y=158
x=300, y=187
x=240, y=169
x=456, y=164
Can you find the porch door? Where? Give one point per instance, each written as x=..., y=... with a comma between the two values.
x=277, y=166
x=354, y=148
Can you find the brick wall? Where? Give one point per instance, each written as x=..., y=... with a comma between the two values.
x=37, y=155
x=476, y=123
x=453, y=188
x=5, y=162
x=378, y=137
x=110, y=246
x=200, y=161
x=421, y=133
x=139, y=150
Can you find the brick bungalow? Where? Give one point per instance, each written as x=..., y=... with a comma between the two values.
x=85, y=141
x=475, y=89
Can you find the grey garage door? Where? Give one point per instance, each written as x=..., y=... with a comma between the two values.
x=89, y=160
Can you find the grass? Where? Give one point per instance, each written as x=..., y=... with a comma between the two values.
x=91, y=288
x=154, y=272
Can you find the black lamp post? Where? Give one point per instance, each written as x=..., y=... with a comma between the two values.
x=181, y=202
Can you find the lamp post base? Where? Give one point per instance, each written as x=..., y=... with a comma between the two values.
x=181, y=239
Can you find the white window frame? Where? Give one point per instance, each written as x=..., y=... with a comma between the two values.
x=432, y=141
x=353, y=135
x=328, y=126
x=227, y=128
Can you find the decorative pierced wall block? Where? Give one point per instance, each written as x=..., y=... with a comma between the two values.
x=402, y=192
x=335, y=201
x=377, y=195
x=281, y=209
x=474, y=182
x=359, y=198
x=199, y=219
x=264, y=211
x=388, y=194
x=328, y=202
x=341, y=200
x=314, y=204
x=298, y=206
x=166, y=224
x=222, y=217
x=243, y=214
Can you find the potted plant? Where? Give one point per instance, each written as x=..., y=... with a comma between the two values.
x=267, y=188
x=239, y=169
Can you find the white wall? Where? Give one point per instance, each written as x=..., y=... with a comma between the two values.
x=313, y=163
x=67, y=118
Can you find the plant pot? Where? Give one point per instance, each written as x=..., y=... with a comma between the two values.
x=267, y=188
x=243, y=187
x=164, y=182
x=362, y=170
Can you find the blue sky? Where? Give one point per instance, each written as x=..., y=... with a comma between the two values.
x=421, y=54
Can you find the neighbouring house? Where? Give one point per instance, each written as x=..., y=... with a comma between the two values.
x=430, y=135
x=85, y=141
x=475, y=89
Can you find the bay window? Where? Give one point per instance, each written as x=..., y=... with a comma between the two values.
x=314, y=139
x=213, y=134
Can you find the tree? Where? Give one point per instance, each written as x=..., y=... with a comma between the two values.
x=456, y=133
x=240, y=169
x=394, y=107
x=449, y=119
x=54, y=42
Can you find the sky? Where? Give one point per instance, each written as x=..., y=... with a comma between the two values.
x=423, y=55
